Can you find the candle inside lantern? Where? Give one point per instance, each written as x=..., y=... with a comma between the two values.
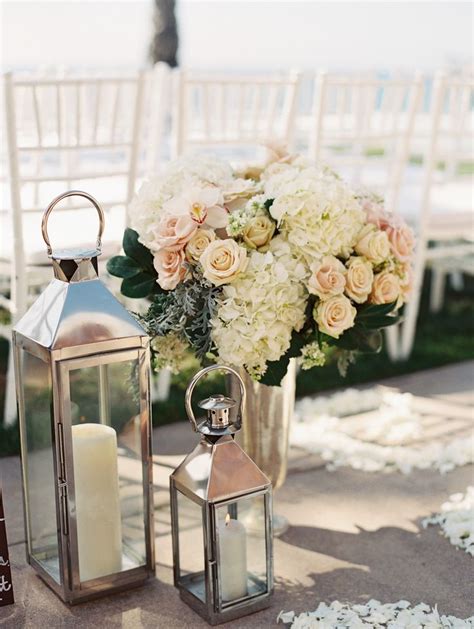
x=99, y=532
x=233, y=559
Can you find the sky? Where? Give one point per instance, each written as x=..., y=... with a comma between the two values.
x=247, y=35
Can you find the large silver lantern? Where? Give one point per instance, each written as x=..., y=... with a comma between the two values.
x=223, y=554
x=82, y=381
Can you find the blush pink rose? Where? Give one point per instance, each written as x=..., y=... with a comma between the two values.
x=327, y=278
x=401, y=239
x=173, y=232
x=170, y=268
x=400, y=236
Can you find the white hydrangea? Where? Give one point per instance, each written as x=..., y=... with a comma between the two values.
x=170, y=352
x=260, y=309
x=147, y=205
x=316, y=212
x=312, y=356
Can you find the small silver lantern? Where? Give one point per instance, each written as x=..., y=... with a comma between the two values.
x=82, y=381
x=223, y=554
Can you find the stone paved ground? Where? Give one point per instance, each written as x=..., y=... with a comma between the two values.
x=353, y=536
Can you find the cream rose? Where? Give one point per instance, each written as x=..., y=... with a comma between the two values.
x=373, y=244
x=402, y=241
x=198, y=243
x=327, y=278
x=385, y=289
x=170, y=268
x=335, y=315
x=173, y=232
x=222, y=261
x=258, y=232
x=359, y=279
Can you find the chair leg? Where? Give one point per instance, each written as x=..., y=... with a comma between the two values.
x=10, y=395
x=438, y=283
x=161, y=386
x=456, y=280
x=392, y=340
x=408, y=326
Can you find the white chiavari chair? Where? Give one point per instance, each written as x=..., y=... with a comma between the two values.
x=233, y=112
x=362, y=127
x=63, y=133
x=444, y=226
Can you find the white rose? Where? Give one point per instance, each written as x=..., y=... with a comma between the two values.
x=335, y=315
x=360, y=276
x=198, y=243
x=222, y=261
x=373, y=244
x=386, y=288
x=327, y=278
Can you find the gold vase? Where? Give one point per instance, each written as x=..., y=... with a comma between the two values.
x=265, y=428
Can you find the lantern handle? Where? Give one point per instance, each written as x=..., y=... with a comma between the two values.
x=65, y=195
x=194, y=381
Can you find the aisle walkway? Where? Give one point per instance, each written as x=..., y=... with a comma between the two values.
x=354, y=536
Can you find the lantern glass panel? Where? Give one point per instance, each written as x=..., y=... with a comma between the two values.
x=38, y=465
x=191, y=546
x=108, y=468
x=242, y=548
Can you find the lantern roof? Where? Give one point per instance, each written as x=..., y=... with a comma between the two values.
x=77, y=313
x=220, y=470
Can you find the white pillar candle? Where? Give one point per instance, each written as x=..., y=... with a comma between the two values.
x=233, y=559
x=99, y=531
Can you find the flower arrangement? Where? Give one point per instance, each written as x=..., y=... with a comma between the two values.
x=255, y=268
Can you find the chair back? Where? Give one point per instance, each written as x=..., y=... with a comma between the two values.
x=448, y=159
x=233, y=111
x=66, y=132
x=362, y=127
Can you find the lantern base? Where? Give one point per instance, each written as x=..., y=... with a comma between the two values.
x=230, y=613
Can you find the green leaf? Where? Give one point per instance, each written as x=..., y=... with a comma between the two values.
x=122, y=266
x=376, y=310
x=276, y=369
x=137, y=251
x=361, y=340
x=138, y=286
x=379, y=322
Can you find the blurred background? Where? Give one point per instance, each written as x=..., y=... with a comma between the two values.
x=100, y=95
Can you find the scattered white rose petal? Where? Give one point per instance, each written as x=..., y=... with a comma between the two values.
x=376, y=442
x=457, y=520
x=374, y=615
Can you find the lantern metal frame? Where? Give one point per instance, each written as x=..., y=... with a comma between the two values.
x=230, y=491
x=61, y=359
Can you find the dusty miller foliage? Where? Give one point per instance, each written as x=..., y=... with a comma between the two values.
x=187, y=311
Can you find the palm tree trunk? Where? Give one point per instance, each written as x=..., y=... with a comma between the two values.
x=164, y=46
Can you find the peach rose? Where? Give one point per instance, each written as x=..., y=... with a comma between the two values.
x=327, y=278
x=258, y=232
x=373, y=244
x=359, y=279
x=173, y=232
x=170, y=268
x=385, y=289
x=222, y=261
x=198, y=244
x=402, y=240
x=335, y=315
